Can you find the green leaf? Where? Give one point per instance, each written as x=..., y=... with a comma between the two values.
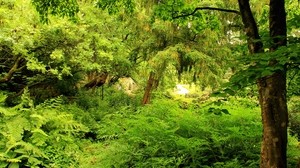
x=229, y=91
x=225, y=111
x=13, y=165
x=266, y=73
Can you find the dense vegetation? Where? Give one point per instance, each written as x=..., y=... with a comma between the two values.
x=93, y=84
x=91, y=132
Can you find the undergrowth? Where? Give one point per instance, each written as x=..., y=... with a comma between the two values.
x=38, y=136
x=118, y=132
x=165, y=135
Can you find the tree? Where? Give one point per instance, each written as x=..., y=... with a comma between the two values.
x=272, y=81
x=188, y=48
x=68, y=8
x=272, y=88
x=56, y=58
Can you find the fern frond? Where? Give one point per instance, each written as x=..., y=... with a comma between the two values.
x=51, y=103
x=2, y=98
x=67, y=124
x=16, y=127
x=2, y=157
x=34, y=162
x=38, y=120
x=39, y=137
x=27, y=147
x=7, y=112
x=13, y=160
x=26, y=101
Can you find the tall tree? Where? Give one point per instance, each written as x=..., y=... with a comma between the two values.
x=272, y=88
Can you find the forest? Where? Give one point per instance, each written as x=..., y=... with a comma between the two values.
x=149, y=83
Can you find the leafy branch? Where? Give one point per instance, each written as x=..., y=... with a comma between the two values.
x=262, y=66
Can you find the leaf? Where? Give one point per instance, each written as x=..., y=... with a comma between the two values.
x=13, y=165
x=16, y=127
x=13, y=160
x=39, y=137
x=3, y=164
x=266, y=73
x=7, y=112
x=225, y=111
x=229, y=91
x=2, y=98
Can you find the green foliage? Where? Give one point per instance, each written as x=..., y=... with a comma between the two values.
x=293, y=15
x=114, y=6
x=159, y=135
x=293, y=86
x=56, y=58
x=294, y=117
x=293, y=152
x=107, y=100
x=64, y=8
x=27, y=131
x=262, y=65
x=95, y=110
x=163, y=135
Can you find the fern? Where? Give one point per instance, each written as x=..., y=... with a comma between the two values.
x=16, y=127
x=39, y=137
x=28, y=130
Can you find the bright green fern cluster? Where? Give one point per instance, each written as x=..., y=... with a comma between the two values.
x=27, y=131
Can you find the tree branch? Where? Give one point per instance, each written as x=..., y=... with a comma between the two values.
x=11, y=72
x=206, y=8
x=255, y=44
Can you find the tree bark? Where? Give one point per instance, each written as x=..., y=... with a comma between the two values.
x=272, y=98
x=151, y=84
x=15, y=68
x=255, y=44
x=272, y=92
x=272, y=89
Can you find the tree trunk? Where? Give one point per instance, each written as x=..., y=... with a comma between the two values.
x=151, y=84
x=272, y=97
x=255, y=44
x=272, y=89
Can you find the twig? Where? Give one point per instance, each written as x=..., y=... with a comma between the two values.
x=206, y=8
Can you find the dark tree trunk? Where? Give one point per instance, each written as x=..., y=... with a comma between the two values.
x=272, y=97
x=250, y=27
x=151, y=84
x=272, y=89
